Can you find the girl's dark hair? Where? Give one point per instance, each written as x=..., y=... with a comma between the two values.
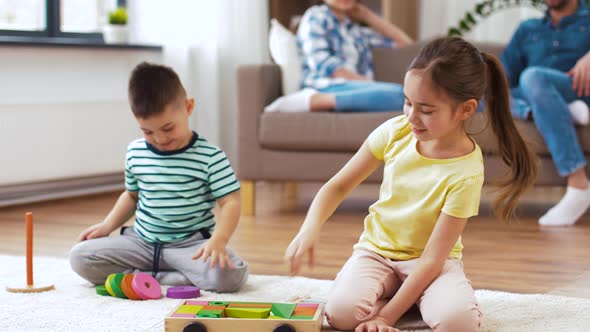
x=463, y=72
x=152, y=88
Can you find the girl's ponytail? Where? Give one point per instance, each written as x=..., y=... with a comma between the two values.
x=515, y=153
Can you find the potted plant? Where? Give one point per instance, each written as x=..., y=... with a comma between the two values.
x=115, y=32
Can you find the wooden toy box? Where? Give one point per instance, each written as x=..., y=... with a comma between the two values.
x=229, y=316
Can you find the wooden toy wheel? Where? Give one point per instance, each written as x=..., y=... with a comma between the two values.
x=284, y=328
x=195, y=327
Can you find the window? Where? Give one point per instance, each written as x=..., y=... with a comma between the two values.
x=80, y=19
x=22, y=15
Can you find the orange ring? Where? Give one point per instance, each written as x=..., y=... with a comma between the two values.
x=127, y=288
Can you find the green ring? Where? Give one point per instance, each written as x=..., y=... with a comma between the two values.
x=101, y=290
x=116, y=285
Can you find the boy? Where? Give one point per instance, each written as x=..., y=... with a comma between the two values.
x=173, y=177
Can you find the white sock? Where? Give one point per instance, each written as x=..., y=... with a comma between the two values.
x=569, y=209
x=296, y=102
x=580, y=112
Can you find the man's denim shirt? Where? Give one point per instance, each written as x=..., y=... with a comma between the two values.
x=537, y=42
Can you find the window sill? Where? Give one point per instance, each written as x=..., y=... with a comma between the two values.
x=72, y=43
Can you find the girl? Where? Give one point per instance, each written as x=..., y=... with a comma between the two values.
x=410, y=250
x=337, y=64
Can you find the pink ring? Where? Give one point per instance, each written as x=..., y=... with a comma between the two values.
x=146, y=287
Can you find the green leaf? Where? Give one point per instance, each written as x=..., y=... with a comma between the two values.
x=464, y=26
x=454, y=32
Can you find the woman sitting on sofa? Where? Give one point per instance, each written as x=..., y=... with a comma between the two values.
x=335, y=48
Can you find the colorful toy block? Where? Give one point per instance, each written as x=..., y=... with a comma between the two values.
x=299, y=311
x=284, y=310
x=247, y=312
x=201, y=303
x=249, y=305
x=189, y=309
x=211, y=313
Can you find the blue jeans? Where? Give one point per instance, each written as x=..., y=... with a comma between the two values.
x=359, y=96
x=546, y=93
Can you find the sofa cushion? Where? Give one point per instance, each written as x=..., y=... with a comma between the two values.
x=318, y=131
x=345, y=132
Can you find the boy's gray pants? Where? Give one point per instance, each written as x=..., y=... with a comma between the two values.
x=95, y=259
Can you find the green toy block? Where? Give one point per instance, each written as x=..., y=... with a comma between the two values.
x=247, y=312
x=219, y=303
x=283, y=309
x=210, y=313
x=301, y=317
x=189, y=309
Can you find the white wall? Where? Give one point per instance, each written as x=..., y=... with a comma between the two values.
x=64, y=112
x=205, y=42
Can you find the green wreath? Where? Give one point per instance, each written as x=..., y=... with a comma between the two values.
x=486, y=8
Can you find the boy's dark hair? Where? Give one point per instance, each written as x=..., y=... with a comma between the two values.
x=152, y=87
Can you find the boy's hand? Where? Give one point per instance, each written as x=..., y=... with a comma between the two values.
x=304, y=242
x=214, y=248
x=95, y=231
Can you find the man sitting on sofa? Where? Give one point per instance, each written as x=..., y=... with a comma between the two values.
x=548, y=66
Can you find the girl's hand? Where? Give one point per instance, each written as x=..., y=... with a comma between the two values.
x=360, y=13
x=304, y=242
x=95, y=231
x=376, y=324
x=214, y=248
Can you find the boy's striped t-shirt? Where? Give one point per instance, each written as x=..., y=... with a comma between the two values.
x=177, y=189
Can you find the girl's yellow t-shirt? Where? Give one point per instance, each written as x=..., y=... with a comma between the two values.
x=414, y=192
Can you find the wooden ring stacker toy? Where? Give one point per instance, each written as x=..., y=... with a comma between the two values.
x=115, y=284
x=101, y=290
x=183, y=292
x=107, y=285
x=127, y=288
x=146, y=287
x=30, y=287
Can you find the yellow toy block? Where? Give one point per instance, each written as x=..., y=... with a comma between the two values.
x=189, y=309
x=249, y=305
x=247, y=312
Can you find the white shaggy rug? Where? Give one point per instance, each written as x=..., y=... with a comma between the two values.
x=74, y=306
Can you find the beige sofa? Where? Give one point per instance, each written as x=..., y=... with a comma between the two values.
x=294, y=147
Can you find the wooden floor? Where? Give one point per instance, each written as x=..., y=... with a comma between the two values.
x=520, y=257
